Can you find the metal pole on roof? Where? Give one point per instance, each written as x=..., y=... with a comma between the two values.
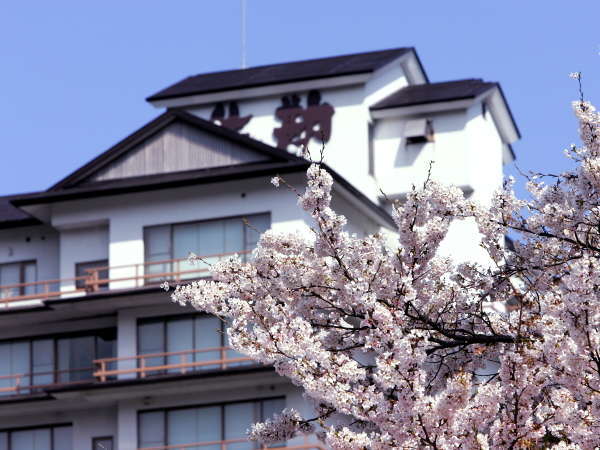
x=243, y=14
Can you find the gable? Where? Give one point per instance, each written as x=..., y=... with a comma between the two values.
x=175, y=148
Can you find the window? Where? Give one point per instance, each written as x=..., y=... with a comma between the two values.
x=17, y=273
x=210, y=239
x=418, y=131
x=182, y=336
x=58, y=437
x=181, y=426
x=44, y=361
x=102, y=443
x=81, y=270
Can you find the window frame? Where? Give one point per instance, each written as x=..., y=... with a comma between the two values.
x=222, y=406
x=55, y=338
x=164, y=320
x=51, y=426
x=80, y=284
x=103, y=438
x=171, y=226
x=22, y=265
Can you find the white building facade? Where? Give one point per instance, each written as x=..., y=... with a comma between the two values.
x=93, y=355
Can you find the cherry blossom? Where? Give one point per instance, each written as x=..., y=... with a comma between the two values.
x=405, y=348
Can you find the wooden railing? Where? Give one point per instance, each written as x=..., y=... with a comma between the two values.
x=21, y=386
x=24, y=383
x=225, y=445
x=184, y=364
x=119, y=277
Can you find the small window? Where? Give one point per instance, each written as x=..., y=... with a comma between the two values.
x=102, y=443
x=418, y=131
x=85, y=269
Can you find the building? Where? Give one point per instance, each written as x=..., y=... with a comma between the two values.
x=94, y=355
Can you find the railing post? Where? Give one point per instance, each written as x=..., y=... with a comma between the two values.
x=46, y=290
x=96, y=286
x=18, y=383
x=102, y=371
x=137, y=275
x=178, y=271
x=183, y=362
x=223, y=358
x=143, y=367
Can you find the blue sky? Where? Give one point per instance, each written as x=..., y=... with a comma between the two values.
x=74, y=74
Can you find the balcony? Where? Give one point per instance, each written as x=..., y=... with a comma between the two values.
x=110, y=278
x=180, y=363
x=110, y=369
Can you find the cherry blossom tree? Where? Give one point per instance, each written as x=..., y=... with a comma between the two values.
x=405, y=348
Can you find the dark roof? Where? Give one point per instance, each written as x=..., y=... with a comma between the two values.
x=419, y=94
x=156, y=125
x=11, y=217
x=279, y=162
x=281, y=73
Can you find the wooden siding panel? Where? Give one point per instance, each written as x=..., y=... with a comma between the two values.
x=177, y=148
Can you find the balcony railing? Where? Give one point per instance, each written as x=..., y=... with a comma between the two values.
x=21, y=383
x=172, y=363
x=118, y=278
x=181, y=362
x=233, y=444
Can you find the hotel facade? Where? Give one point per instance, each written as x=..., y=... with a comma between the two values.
x=93, y=353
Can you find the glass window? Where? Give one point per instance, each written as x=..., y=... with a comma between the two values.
x=42, y=438
x=43, y=362
x=210, y=239
x=152, y=429
x=17, y=273
x=197, y=425
x=157, y=243
x=75, y=358
x=83, y=270
x=189, y=339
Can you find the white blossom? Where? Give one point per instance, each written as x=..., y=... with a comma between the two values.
x=404, y=348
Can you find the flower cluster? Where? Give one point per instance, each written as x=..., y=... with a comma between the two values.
x=405, y=348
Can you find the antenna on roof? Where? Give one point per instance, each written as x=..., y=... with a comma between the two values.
x=243, y=14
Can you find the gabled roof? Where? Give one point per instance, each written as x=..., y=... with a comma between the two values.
x=82, y=174
x=281, y=73
x=277, y=161
x=420, y=94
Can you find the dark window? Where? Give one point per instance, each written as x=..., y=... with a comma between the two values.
x=102, y=443
x=191, y=425
x=83, y=269
x=17, y=273
x=40, y=438
x=46, y=361
x=210, y=239
x=192, y=340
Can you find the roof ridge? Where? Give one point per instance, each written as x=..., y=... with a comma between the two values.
x=264, y=66
x=283, y=72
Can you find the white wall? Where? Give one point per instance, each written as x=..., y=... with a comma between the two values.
x=39, y=243
x=347, y=150
x=79, y=245
x=399, y=166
